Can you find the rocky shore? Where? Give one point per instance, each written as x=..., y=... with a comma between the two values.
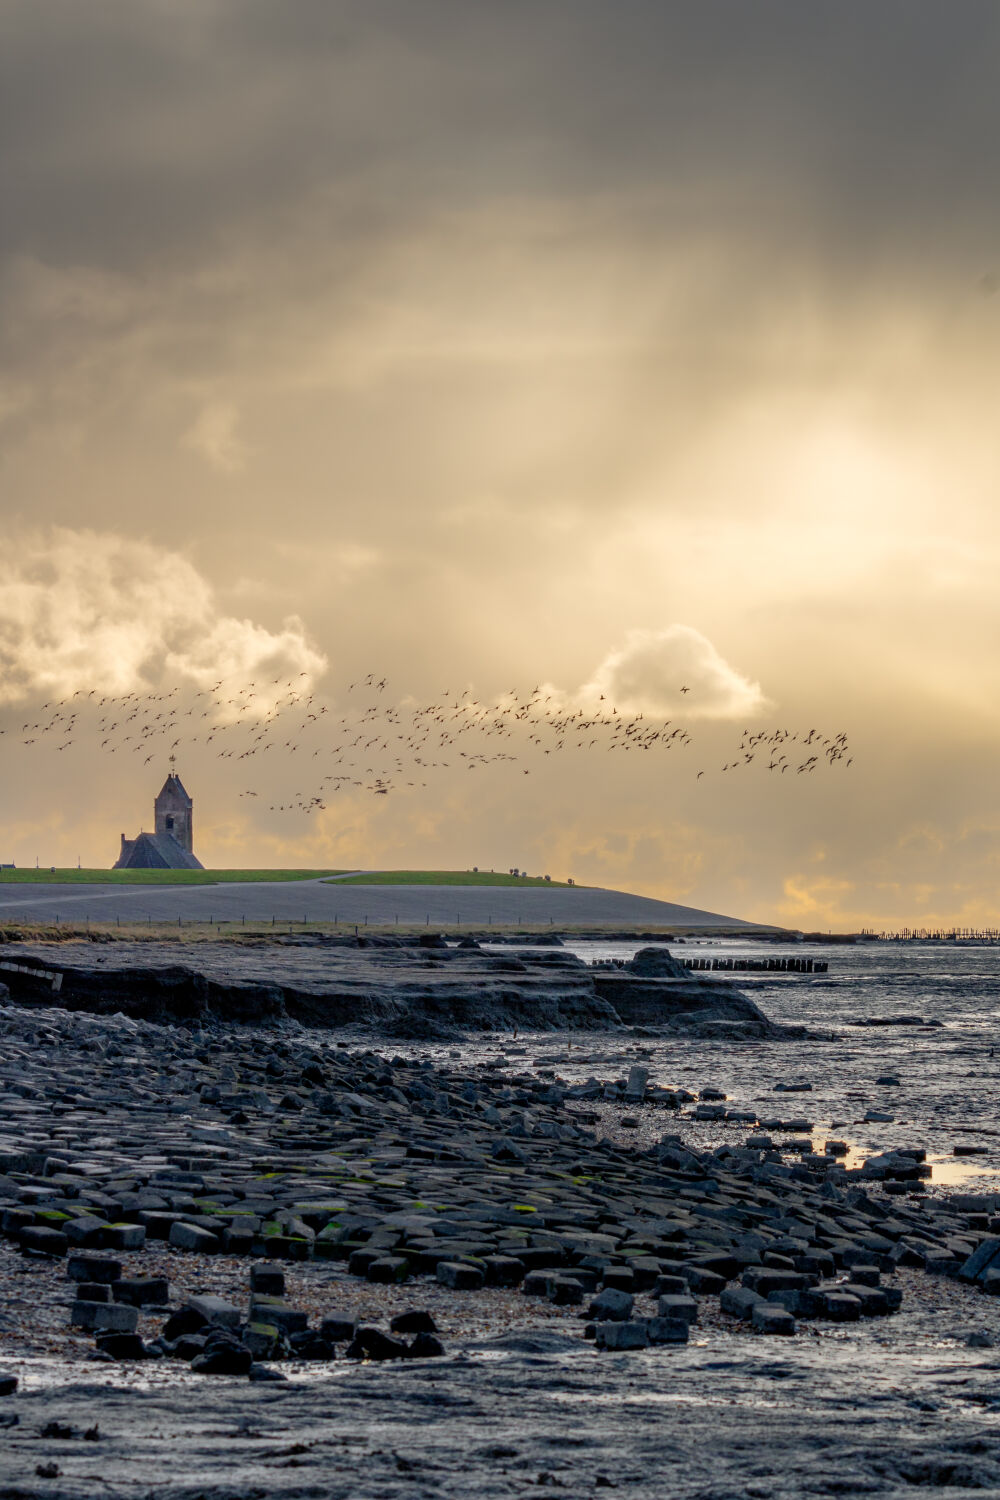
x=331, y=1270
x=405, y=988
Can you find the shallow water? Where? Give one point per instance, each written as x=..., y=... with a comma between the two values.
x=949, y=1075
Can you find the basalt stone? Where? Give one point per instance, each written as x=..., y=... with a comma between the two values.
x=215, y=1310
x=187, y=1321
x=503, y=1270
x=666, y=1330
x=611, y=1306
x=619, y=1277
x=262, y=1339
x=268, y=1279
x=87, y=1231
x=623, y=1335
x=767, y=1317
x=360, y=1261
x=671, y=1286
x=191, y=1237
x=645, y=1272
x=372, y=1343
x=143, y=1291
x=122, y=1237
x=187, y=1347
x=707, y=1283
x=340, y=1330
x=837, y=1306
x=763, y=1280
x=264, y=1375
x=388, y=1269
x=310, y=1345
x=564, y=1291
x=8, y=1384
x=42, y=1241
x=93, y=1291
x=416, y=1320
x=685, y=1308
x=980, y=1260
x=117, y=1317
x=122, y=1346
x=274, y=1310
x=425, y=1346
x=739, y=1301
x=289, y=1247
x=460, y=1276
x=223, y=1360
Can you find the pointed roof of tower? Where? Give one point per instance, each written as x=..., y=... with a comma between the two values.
x=174, y=787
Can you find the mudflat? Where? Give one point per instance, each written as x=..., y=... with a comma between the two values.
x=242, y=1259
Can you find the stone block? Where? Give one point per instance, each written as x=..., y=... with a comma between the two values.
x=388, y=1269
x=261, y=1339
x=341, y=1330
x=93, y=1291
x=666, y=1330
x=122, y=1346
x=142, y=1291
x=685, y=1308
x=707, y=1283
x=874, y=1302
x=837, y=1306
x=981, y=1260
x=503, y=1270
x=622, y=1335
x=289, y=1247
x=462, y=1277
x=80, y=1267
x=265, y=1309
x=215, y=1310
x=85, y=1231
x=190, y=1237
x=268, y=1279
x=564, y=1291
x=739, y=1301
x=116, y=1317
x=611, y=1306
x=123, y=1236
x=767, y=1317
x=765, y=1280
x=43, y=1241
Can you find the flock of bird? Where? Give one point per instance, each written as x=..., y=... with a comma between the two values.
x=373, y=745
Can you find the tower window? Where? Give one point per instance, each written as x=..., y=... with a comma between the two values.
x=170, y=825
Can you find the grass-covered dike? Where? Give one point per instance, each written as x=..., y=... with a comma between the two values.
x=446, y=877
x=74, y=876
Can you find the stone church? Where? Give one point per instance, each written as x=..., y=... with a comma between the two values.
x=170, y=846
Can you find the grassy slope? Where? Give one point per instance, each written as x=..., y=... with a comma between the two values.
x=445, y=877
x=152, y=877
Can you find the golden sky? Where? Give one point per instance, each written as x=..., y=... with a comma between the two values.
x=485, y=346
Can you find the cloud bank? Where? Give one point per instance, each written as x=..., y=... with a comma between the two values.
x=672, y=671
x=82, y=610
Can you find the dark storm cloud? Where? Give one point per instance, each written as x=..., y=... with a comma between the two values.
x=139, y=132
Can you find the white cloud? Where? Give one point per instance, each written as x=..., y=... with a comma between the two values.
x=84, y=609
x=214, y=434
x=647, y=675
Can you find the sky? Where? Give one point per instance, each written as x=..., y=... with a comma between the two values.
x=483, y=347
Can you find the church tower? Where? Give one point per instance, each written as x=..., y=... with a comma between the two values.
x=173, y=811
x=170, y=847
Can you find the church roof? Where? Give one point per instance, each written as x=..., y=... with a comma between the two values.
x=156, y=851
